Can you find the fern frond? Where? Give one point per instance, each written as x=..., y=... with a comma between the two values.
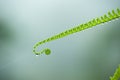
x=103, y=19
x=116, y=75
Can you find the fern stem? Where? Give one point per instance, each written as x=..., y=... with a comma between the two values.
x=116, y=75
x=96, y=21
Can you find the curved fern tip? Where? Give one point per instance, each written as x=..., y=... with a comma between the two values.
x=111, y=15
x=47, y=51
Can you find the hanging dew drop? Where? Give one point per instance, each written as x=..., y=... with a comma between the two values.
x=37, y=55
x=116, y=19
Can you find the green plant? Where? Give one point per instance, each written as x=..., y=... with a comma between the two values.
x=96, y=21
x=116, y=75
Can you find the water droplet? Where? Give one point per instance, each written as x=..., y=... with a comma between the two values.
x=102, y=23
x=117, y=19
x=37, y=55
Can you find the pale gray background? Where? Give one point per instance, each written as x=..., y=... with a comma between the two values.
x=92, y=54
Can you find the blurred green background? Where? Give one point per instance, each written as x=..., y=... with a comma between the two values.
x=93, y=54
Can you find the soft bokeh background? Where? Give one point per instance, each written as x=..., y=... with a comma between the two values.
x=93, y=54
